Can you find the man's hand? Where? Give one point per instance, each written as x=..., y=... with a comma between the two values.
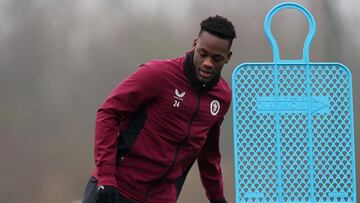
x=107, y=194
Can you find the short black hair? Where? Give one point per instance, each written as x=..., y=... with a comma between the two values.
x=218, y=26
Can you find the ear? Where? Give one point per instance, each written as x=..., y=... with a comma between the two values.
x=228, y=57
x=194, y=43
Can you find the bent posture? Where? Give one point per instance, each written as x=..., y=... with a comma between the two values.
x=158, y=121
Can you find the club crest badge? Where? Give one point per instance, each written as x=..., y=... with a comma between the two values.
x=214, y=107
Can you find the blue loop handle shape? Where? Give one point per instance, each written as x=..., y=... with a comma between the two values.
x=309, y=37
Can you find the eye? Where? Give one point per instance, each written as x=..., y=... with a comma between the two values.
x=202, y=54
x=218, y=59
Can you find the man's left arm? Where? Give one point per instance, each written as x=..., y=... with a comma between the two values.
x=209, y=166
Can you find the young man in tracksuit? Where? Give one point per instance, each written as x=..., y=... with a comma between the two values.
x=158, y=121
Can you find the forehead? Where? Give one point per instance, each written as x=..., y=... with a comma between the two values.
x=212, y=43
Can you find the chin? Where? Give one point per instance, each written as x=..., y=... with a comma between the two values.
x=203, y=79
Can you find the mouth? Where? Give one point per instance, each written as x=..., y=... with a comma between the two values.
x=205, y=73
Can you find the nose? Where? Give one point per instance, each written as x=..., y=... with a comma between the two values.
x=207, y=63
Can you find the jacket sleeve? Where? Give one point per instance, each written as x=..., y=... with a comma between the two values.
x=209, y=165
x=138, y=89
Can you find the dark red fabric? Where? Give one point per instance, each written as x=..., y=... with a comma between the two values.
x=179, y=127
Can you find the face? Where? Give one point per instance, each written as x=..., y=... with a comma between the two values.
x=210, y=55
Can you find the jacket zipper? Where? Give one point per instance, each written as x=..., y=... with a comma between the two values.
x=177, y=149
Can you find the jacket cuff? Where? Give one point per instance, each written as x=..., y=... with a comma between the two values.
x=107, y=180
x=106, y=175
x=106, y=170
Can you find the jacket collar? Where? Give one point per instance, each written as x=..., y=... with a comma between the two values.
x=190, y=73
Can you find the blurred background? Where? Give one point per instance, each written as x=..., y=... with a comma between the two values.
x=60, y=59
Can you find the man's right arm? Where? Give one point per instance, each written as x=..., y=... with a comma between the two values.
x=126, y=98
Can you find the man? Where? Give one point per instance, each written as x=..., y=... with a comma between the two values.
x=158, y=121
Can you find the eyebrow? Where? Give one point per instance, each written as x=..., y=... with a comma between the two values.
x=214, y=55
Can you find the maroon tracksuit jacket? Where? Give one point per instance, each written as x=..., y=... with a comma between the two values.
x=154, y=125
